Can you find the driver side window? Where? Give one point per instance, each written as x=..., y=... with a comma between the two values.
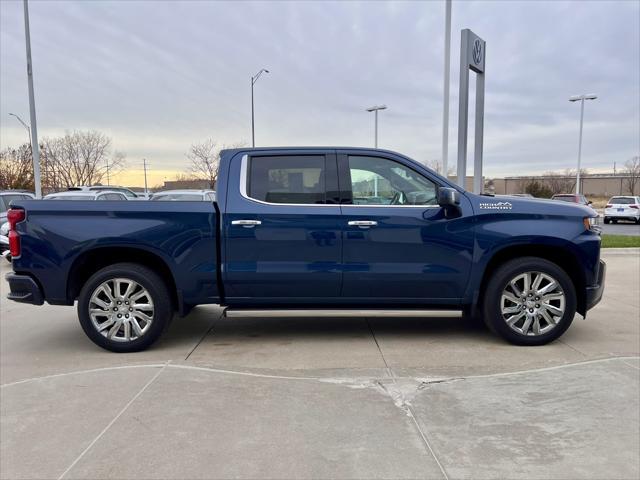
x=380, y=181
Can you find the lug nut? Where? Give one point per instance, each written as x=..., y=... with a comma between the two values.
x=126, y=315
x=531, y=310
x=537, y=306
x=130, y=309
x=119, y=315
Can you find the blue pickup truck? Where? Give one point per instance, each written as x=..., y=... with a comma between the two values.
x=311, y=232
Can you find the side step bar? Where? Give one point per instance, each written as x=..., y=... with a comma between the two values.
x=346, y=312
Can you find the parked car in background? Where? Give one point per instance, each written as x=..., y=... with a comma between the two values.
x=86, y=195
x=131, y=195
x=4, y=241
x=622, y=208
x=7, y=196
x=521, y=195
x=184, y=196
x=574, y=198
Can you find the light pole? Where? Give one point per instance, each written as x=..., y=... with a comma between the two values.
x=254, y=79
x=23, y=124
x=581, y=99
x=375, y=109
x=144, y=162
x=29, y=132
x=447, y=71
x=35, y=152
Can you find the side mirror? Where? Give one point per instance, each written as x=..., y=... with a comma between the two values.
x=589, y=202
x=449, y=199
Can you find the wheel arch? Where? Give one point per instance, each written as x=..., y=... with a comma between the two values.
x=560, y=255
x=90, y=261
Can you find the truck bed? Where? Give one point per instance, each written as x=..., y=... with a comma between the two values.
x=64, y=236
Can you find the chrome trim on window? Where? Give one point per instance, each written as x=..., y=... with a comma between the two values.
x=244, y=165
x=243, y=190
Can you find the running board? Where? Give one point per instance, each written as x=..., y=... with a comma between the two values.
x=240, y=312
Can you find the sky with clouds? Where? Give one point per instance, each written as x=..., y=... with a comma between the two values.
x=158, y=76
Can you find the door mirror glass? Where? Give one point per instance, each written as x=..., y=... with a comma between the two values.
x=448, y=197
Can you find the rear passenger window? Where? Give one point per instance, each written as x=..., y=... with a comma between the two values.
x=287, y=179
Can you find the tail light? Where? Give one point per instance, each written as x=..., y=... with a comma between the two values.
x=14, y=216
x=608, y=205
x=634, y=206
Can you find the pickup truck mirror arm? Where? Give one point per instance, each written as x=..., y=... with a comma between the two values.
x=449, y=199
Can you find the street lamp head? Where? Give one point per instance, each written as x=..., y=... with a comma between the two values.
x=254, y=79
x=376, y=107
x=587, y=96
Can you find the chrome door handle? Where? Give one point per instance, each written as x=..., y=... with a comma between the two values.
x=246, y=223
x=363, y=223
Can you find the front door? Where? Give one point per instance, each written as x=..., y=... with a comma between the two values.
x=283, y=228
x=398, y=244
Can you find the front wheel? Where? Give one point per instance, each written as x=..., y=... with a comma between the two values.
x=124, y=307
x=529, y=301
x=606, y=220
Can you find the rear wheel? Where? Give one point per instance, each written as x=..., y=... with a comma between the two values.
x=529, y=301
x=606, y=220
x=124, y=307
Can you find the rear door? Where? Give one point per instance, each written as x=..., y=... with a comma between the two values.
x=398, y=245
x=282, y=228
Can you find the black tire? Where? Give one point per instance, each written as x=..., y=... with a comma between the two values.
x=146, y=278
x=613, y=220
x=606, y=220
x=499, y=280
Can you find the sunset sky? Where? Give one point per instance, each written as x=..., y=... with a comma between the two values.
x=159, y=76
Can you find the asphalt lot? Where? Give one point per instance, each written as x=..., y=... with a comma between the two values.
x=324, y=398
x=621, y=228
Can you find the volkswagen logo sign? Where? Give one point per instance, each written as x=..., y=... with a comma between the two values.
x=477, y=52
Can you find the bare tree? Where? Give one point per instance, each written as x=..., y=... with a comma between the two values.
x=436, y=165
x=16, y=168
x=562, y=182
x=79, y=158
x=632, y=170
x=205, y=158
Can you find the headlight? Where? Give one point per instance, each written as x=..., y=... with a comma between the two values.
x=592, y=223
x=4, y=229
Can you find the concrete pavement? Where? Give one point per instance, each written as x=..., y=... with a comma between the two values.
x=324, y=398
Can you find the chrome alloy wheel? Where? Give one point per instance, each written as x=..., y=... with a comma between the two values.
x=532, y=303
x=121, y=309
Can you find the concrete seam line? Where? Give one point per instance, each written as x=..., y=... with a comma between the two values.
x=322, y=379
x=104, y=430
x=203, y=336
x=426, y=441
x=79, y=372
x=631, y=365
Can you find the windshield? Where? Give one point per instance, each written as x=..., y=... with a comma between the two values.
x=70, y=197
x=622, y=200
x=5, y=200
x=566, y=198
x=189, y=197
